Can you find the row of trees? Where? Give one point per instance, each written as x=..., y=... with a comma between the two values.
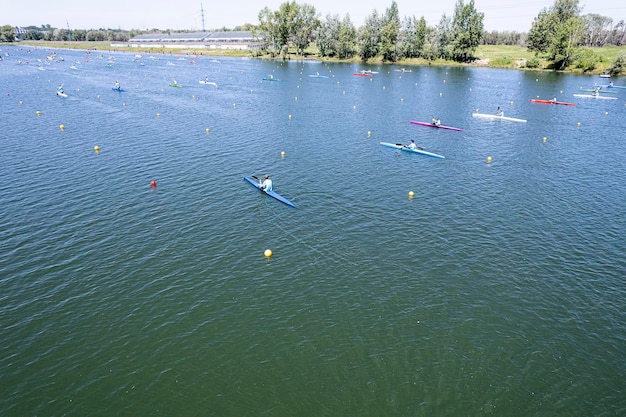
x=385, y=36
x=557, y=34
x=47, y=33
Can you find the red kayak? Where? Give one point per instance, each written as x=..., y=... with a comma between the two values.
x=413, y=122
x=363, y=74
x=552, y=102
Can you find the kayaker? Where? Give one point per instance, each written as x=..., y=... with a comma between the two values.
x=500, y=112
x=117, y=85
x=60, y=89
x=266, y=185
x=412, y=145
x=610, y=83
x=438, y=122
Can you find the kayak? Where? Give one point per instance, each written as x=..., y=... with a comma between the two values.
x=270, y=79
x=401, y=147
x=495, y=116
x=363, y=74
x=208, y=83
x=117, y=89
x=61, y=94
x=612, y=86
x=413, y=122
x=255, y=183
x=591, y=90
x=176, y=85
x=551, y=102
x=318, y=76
x=592, y=96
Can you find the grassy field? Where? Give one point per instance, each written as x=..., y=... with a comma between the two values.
x=497, y=56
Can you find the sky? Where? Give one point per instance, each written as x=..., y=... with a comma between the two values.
x=500, y=15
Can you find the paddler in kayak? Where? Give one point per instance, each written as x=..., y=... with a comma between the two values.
x=117, y=85
x=266, y=185
x=500, y=112
x=411, y=145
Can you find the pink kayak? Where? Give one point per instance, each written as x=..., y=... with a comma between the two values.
x=413, y=122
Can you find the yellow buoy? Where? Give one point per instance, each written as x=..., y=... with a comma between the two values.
x=489, y=159
x=62, y=127
x=511, y=102
x=207, y=130
x=578, y=124
x=545, y=138
x=290, y=116
x=440, y=94
x=234, y=104
x=369, y=133
x=20, y=101
x=411, y=194
x=158, y=114
x=96, y=148
x=282, y=154
x=268, y=253
x=606, y=113
x=38, y=113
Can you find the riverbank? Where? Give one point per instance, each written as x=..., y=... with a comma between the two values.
x=493, y=56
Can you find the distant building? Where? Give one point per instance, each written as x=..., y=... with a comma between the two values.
x=207, y=40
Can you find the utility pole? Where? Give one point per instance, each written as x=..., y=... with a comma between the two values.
x=202, y=14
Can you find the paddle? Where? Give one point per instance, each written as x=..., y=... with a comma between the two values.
x=260, y=183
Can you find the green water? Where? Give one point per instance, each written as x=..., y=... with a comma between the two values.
x=498, y=289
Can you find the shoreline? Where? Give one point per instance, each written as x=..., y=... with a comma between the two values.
x=498, y=56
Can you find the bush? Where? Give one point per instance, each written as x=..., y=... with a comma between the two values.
x=533, y=62
x=586, y=60
x=618, y=65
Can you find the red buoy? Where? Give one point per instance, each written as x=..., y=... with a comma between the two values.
x=153, y=183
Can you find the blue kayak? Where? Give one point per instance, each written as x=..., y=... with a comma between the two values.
x=420, y=151
x=117, y=89
x=255, y=183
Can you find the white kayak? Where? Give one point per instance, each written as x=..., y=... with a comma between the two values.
x=208, y=83
x=592, y=96
x=496, y=117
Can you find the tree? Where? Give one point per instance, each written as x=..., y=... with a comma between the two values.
x=346, y=47
x=304, y=24
x=7, y=34
x=390, y=29
x=557, y=32
x=368, y=37
x=597, y=29
x=327, y=39
x=413, y=37
x=467, y=31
